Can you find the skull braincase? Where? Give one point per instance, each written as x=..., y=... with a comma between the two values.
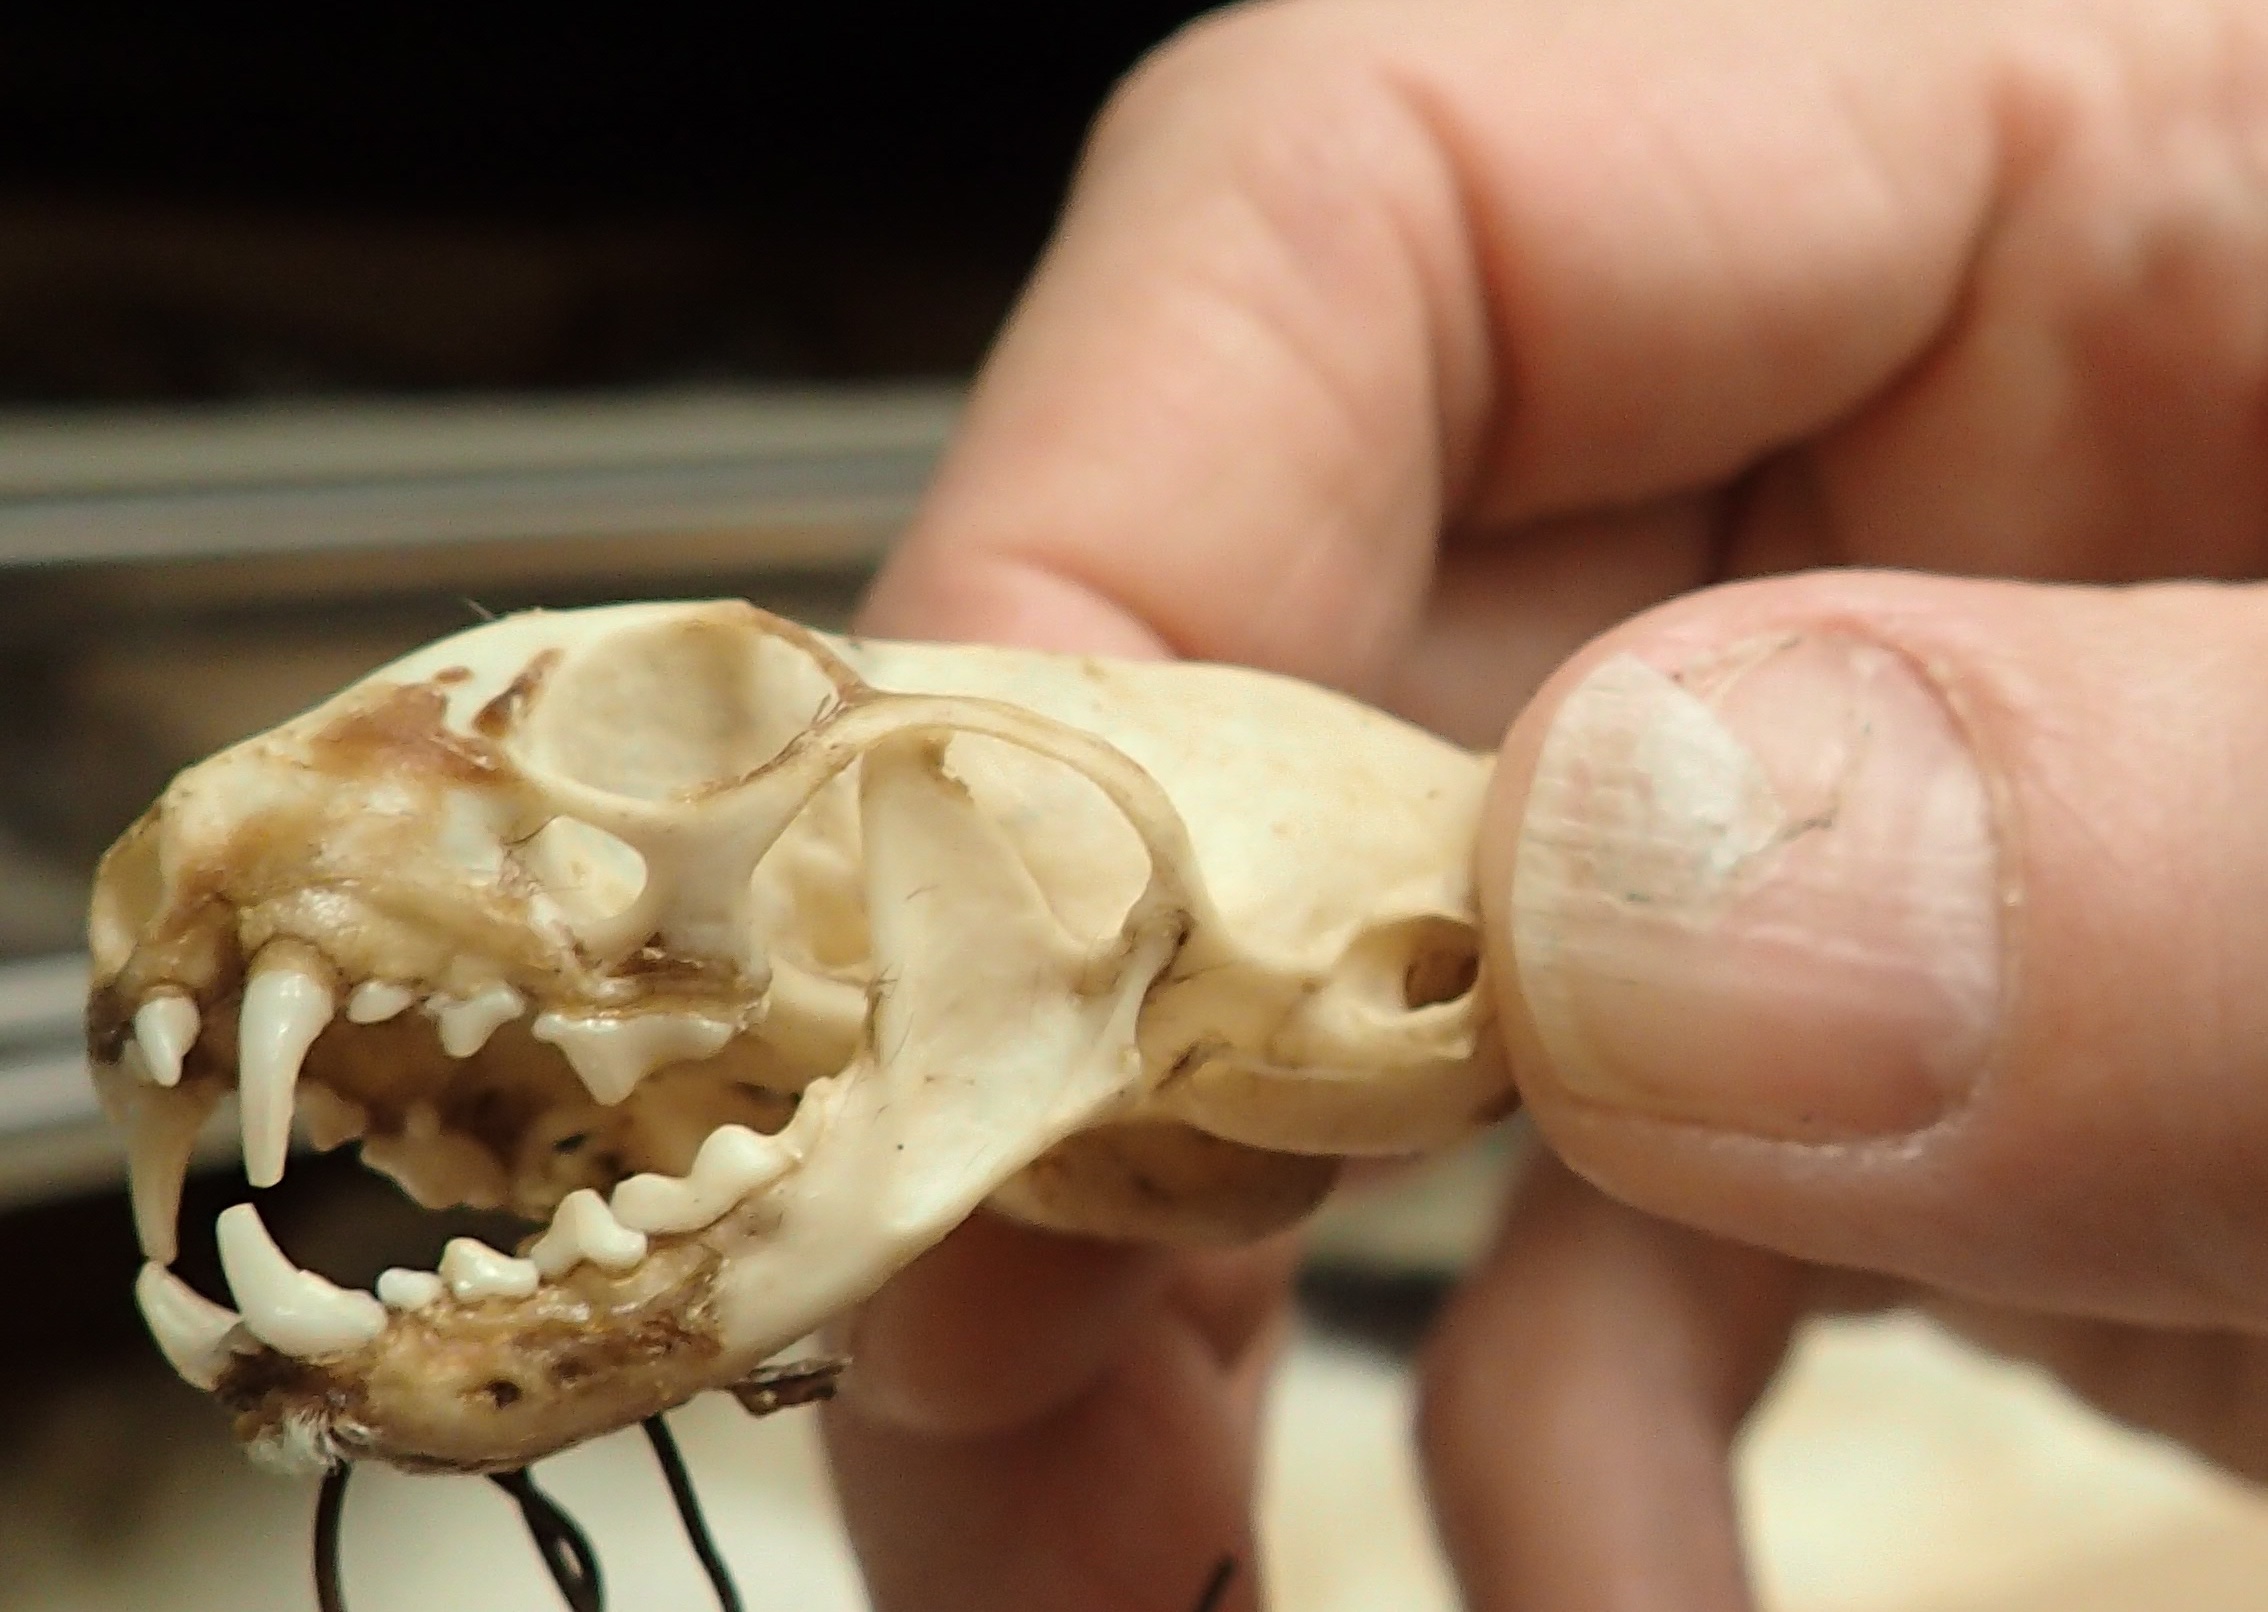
x=747, y=962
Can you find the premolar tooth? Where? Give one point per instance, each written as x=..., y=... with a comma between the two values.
x=375, y=1001
x=466, y=1025
x=585, y=1229
x=191, y=1329
x=329, y=1119
x=286, y=1005
x=400, y=1289
x=733, y=1163
x=474, y=1271
x=165, y=1028
x=161, y=1135
x=610, y=1055
x=294, y=1312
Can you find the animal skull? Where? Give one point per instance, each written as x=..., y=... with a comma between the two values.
x=747, y=962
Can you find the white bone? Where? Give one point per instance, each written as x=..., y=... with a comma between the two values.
x=408, y=1290
x=475, y=1271
x=287, y=1004
x=292, y=1311
x=610, y=1055
x=583, y=1228
x=376, y=1001
x=191, y=1330
x=165, y=1028
x=466, y=1025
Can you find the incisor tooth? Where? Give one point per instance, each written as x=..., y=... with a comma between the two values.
x=583, y=1228
x=733, y=1163
x=294, y=1312
x=161, y=1135
x=190, y=1329
x=466, y=1025
x=165, y=1028
x=611, y=1055
x=400, y=1289
x=375, y=1001
x=286, y=1006
x=474, y=1271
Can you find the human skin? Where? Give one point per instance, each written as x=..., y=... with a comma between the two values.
x=1447, y=354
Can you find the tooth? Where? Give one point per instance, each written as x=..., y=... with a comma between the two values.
x=329, y=1119
x=473, y=1270
x=165, y=1028
x=612, y=1054
x=466, y=1025
x=585, y=1229
x=191, y=1329
x=286, y=1006
x=440, y=1169
x=161, y=1135
x=292, y=1311
x=375, y=1001
x=733, y=1163
x=399, y=1289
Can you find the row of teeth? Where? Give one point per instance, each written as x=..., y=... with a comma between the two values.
x=288, y=1003
x=308, y=1317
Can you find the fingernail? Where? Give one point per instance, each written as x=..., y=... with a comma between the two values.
x=1760, y=890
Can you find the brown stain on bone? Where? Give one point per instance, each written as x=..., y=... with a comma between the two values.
x=502, y=714
x=404, y=730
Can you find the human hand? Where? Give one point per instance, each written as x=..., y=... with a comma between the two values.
x=1860, y=938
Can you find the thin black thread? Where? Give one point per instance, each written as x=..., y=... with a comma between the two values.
x=689, y=1512
x=565, y=1550
x=330, y=1504
x=1217, y=1587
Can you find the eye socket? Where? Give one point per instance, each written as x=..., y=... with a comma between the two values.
x=658, y=711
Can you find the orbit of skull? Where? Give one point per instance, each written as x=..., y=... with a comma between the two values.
x=743, y=963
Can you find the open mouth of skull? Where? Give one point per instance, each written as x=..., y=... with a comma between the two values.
x=740, y=965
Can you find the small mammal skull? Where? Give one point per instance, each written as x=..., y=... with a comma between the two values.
x=746, y=963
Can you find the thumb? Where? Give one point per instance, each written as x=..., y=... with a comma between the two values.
x=1912, y=925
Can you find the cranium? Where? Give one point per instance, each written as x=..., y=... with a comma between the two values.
x=745, y=963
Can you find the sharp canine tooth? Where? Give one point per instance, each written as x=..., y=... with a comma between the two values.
x=375, y=1001
x=329, y=1119
x=161, y=1134
x=473, y=1271
x=292, y=1311
x=191, y=1329
x=286, y=1007
x=733, y=1163
x=467, y=1025
x=584, y=1228
x=165, y=1028
x=611, y=1055
x=408, y=1290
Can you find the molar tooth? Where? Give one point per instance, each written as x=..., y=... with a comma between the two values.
x=473, y=1271
x=294, y=1312
x=165, y=1028
x=375, y=1001
x=190, y=1329
x=733, y=1163
x=286, y=1005
x=585, y=1229
x=611, y=1054
x=467, y=1024
x=329, y=1119
x=161, y=1135
x=400, y=1289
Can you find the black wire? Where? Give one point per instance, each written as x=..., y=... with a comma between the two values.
x=566, y=1552
x=1217, y=1587
x=689, y=1511
x=330, y=1504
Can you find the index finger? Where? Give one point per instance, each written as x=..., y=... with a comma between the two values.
x=1342, y=275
